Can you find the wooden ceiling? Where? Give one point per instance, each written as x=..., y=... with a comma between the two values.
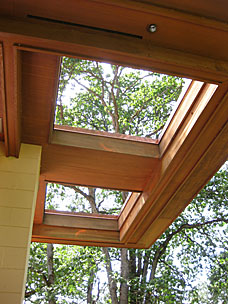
x=191, y=41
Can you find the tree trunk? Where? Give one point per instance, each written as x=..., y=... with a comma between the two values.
x=152, y=275
x=132, y=276
x=51, y=277
x=90, y=288
x=124, y=277
x=111, y=281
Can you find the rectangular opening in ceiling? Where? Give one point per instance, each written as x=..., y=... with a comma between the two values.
x=116, y=99
x=84, y=200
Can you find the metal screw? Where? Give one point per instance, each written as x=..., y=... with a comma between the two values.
x=152, y=28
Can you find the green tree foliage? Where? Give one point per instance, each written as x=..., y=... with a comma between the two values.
x=218, y=279
x=117, y=99
x=75, y=268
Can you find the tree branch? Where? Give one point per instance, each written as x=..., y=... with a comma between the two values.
x=162, y=248
x=116, y=116
x=30, y=293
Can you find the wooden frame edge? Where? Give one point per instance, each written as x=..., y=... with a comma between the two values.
x=105, y=142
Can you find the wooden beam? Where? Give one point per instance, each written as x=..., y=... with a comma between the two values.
x=79, y=220
x=127, y=208
x=75, y=234
x=151, y=53
x=40, y=74
x=91, y=234
x=104, y=141
x=186, y=152
x=10, y=78
x=44, y=239
x=174, y=123
x=78, y=166
x=40, y=201
x=2, y=94
x=213, y=159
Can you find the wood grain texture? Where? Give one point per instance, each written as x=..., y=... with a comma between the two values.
x=125, y=137
x=71, y=165
x=191, y=149
x=44, y=239
x=213, y=159
x=75, y=234
x=176, y=167
x=127, y=207
x=39, y=89
x=85, y=221
x=201, y=9
x=130, y=145
x=11, y=97
x=40, y=201
x=198, y=59
x=175, y=122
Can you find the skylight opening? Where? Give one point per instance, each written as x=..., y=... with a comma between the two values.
x=78, y=199
x=116, y=99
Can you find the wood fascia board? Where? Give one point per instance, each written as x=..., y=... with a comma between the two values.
x=176, y=119
x=2, y=97
x=79, y=236
x=11, y=99
x=94, y=168
x=104, y=134
x=127, y=207
x=66, y=40
x=40, y=201
x=80, y=221
x=46, y=239
x=186, y=118
x=54, y=101
x=105, y=142
x=177, y=166
x=170, y=131
x=196, y=180
x=75, y=234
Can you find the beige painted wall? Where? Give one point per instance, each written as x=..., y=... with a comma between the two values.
x=18, y=189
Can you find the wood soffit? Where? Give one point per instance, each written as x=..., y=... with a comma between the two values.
x=165, y=174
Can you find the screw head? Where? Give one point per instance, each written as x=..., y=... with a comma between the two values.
x=152, y=28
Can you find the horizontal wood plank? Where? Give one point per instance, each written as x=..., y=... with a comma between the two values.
x=77, y=166
x=44, y=239
x=105, y=142
x=75, y=234
x=105, y=134
x=151, y=54
x=80, y=221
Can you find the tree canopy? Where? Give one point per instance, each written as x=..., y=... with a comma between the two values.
x=118, y=99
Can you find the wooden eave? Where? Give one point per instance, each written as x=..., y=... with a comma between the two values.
x=165, y=175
